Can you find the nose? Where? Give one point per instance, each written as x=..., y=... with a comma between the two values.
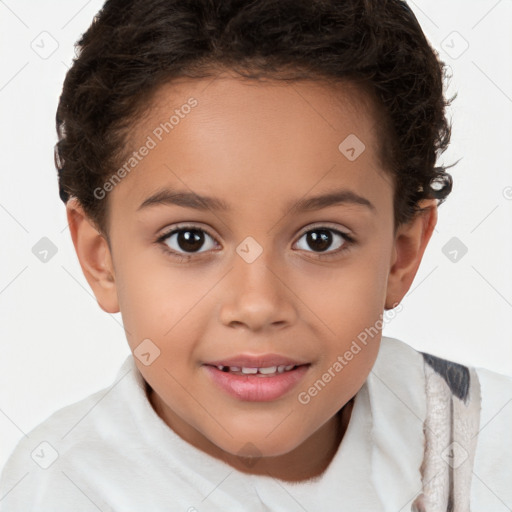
x=256, y=296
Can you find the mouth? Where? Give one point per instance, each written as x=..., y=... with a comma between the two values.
x=256, y=379
x=269, y=371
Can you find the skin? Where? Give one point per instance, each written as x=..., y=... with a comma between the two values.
x=256, y=146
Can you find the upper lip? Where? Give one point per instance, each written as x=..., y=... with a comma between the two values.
x=256, y=361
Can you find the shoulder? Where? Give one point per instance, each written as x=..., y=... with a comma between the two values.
x=496, y=388
x=43, y=469
x=493, y=459
x=467, y=425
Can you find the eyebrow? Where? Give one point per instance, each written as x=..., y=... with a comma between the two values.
x=199, y=202
x=185, y=199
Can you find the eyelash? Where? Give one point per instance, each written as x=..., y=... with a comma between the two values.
x=349, y=241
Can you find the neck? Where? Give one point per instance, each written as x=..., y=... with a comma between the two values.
x=307, y=461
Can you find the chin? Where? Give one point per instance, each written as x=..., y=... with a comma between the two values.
x=258, y=445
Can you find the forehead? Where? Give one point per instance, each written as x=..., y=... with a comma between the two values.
x=227, y=99
x=245, y=139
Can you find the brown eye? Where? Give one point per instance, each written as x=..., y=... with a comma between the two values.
x=322, y=239
x=319, y=240
x=188, y=240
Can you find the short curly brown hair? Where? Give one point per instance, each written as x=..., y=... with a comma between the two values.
x=135, y=46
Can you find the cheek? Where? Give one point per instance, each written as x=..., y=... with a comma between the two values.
x=348, y=309
x=155, y=298
x=345, y=299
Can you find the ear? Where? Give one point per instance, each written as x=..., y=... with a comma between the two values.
x=94, y=256
x=411, y=240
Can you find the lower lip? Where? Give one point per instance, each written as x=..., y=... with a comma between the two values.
x=257, y=388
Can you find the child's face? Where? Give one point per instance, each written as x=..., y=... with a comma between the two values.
x=257, y=148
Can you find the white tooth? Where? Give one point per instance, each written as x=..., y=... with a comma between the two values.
x=281, y=368
x=270, y=369
x=234, y=368
x=220, y=367
x=287, y=368
x=249, y=370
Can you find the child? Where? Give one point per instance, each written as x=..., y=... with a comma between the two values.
x=253, y=186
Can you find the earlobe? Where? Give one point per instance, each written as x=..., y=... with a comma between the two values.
x=94, y=256
x=409, y=246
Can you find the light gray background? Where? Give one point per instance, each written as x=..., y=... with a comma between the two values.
x=57, y=345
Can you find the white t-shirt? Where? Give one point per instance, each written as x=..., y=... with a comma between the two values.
x=112, y=452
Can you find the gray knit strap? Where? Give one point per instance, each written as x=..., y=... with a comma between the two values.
x=451, y=430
